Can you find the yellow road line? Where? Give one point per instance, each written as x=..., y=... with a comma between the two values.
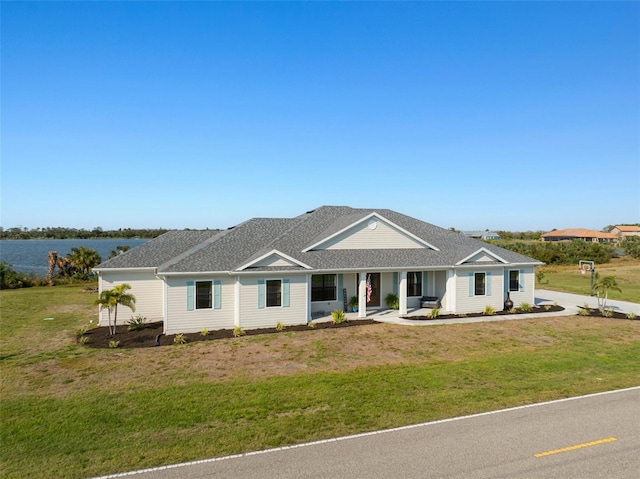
x=577, y=446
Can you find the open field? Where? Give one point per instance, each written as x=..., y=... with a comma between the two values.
x=570, y=280
x=71, y=411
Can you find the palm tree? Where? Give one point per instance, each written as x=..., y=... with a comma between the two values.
x=602, y=286
x=111, y=298
x=83, y=259
x=118, y=251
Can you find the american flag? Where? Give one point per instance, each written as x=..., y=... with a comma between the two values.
x=368, y=288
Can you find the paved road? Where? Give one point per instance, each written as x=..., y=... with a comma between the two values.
x=587, y=437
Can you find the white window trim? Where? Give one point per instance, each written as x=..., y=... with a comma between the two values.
x=335, y=283
x=195, y=294
x=509, y=281
x=421, y=284
x=266, y=293
x=474, y=284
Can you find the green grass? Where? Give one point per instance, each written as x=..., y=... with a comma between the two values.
x=569, y=279
x=69, y=411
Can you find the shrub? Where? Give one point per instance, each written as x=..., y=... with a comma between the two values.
x=489, y=310
x=435, y=312
x=80, y=332
x=608, y=313
x=584, y=310
x=513, y=310
x=540, y=276
x=113, y=344
x=279, y=326
x=631, y=315
x=338, y=316
x=547, y=307
x=392, y=301
x=238, y=331
x=10, y=279
x=204, y=332
x=312, y=325
x=179, y=339
x=83, y=340
x=525, y=307
x=136, y=323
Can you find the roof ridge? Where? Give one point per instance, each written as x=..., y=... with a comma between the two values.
x=195, y=248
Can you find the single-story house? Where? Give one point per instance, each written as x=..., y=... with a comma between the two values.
x=626, y=230
x=292, y=270
x=583, y=234
x=483, y=235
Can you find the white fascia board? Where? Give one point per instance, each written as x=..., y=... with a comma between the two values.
x=366, y=218
x=117, y=270
x=481, y=250
x=277, y=253
x=534, y=263
x=194, y=273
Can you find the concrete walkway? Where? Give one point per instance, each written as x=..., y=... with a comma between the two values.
x=570, y=302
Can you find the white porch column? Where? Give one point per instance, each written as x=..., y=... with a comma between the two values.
x=236, y=302
x=402, y=293
x=362, y=296
x=450, y=294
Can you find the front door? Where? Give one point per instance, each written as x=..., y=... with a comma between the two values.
x=373, y=289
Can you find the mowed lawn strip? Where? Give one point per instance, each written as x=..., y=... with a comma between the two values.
x=70, y=411
x=569, y=279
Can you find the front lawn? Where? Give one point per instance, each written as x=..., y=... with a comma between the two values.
x=73, y=411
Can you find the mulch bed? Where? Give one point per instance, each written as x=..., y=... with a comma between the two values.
x=535, y=309
x=152, y=336
x=152, y=332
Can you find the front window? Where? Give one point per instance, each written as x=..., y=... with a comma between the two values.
x=274, y=293
x=204, y=294
x=323, y=287
x=514, y=280
x=480, y=284
x=414, y=283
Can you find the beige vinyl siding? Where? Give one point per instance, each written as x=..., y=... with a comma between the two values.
x=181, y=320
x=274, y=260
x=477, y=304
x=480, y=258
x=253, y=317
x=384, y=236
x=147, y=289
x=528, y=295
x=439, y=285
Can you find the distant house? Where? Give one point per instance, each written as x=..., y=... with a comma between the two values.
x=626, y=230
x=583, y=234
x=482, y=235
x=292, y=270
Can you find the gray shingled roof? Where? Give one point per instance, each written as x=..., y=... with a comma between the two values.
x=206, y=251
x=159, y=250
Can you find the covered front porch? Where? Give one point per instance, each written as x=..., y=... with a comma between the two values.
x=363, y=293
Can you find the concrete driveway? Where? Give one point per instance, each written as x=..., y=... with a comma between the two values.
x=570, y=302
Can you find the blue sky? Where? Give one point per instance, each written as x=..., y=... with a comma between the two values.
x=500, y=115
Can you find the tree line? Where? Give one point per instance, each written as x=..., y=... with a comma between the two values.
x=76, y=266
x=564, y=253
x=59, y=232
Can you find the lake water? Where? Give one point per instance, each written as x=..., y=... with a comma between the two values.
x=30, y=256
